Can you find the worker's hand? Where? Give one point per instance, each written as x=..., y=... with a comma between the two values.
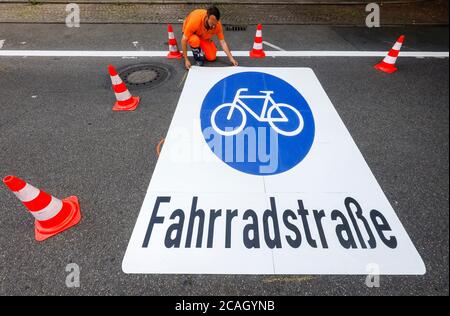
x=187, y=64
x=234, y=62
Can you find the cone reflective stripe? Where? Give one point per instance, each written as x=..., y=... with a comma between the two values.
x=125, y=101
x=258, y=46
x=122, y=93
x=173, y=46
x=257, y=50
x=52, y=215
x=388, y=63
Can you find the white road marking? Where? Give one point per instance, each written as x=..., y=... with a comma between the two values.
x=273, y=46
x=83, y=53
x=182, y=79
x=2, y=42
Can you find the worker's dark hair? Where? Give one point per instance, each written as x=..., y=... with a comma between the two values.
x=212, y=10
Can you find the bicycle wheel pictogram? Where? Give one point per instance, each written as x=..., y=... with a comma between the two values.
x=295, y=119
x=225, y=127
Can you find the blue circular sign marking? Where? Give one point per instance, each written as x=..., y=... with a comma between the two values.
x=257, y=123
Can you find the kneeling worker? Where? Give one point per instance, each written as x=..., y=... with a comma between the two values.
x=198, y=29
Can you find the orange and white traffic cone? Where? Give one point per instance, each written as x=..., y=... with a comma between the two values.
x=125, y=101
x=173, y=46
x=257, y=50
x=388, y=63
x=52, y=215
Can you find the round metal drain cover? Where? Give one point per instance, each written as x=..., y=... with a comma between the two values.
x=144, y=75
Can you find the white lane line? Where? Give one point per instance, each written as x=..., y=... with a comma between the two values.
x=2, y=42
x=273, y=46
x=82, y=53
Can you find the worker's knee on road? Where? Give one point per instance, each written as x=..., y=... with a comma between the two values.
x=210, y=57
x=194, y=41
x=210, y=50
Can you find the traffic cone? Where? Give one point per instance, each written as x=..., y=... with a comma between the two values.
x=52, y=215
x=173, y=46
x=388, y=63
x=125, y=101
x=257, y=51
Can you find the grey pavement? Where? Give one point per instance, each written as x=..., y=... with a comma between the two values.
x=154, y=37
x=431, y=12
x=58, y=132
x=209, y=2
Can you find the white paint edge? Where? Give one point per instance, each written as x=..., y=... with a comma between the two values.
x=2, y=42
x=82, y=53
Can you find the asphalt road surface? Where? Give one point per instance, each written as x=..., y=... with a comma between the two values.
x=57, y=131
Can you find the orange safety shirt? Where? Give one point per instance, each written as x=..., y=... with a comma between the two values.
x=195, y=24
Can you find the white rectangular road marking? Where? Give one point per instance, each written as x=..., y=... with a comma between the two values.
x=325, y=215
x=2, y=42
x=83, y=53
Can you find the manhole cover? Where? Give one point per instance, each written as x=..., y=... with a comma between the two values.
x=144, y=75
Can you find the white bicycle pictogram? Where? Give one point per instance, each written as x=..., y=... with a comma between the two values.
x=265, y=116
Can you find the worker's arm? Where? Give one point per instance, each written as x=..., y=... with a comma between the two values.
x=187, y=63
x=227, y=51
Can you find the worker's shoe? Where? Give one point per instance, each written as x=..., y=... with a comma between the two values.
x=199, y=57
